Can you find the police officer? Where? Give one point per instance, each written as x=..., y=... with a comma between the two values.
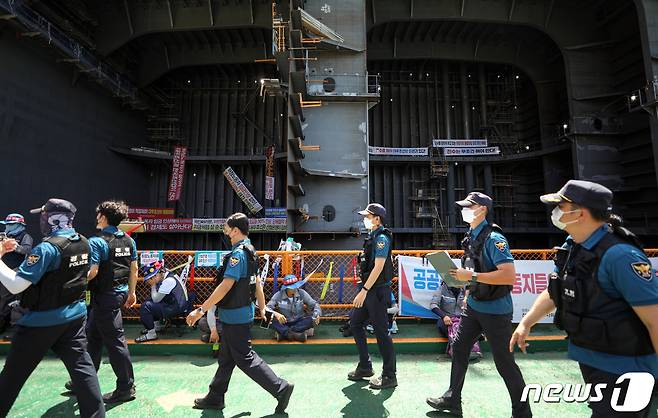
x=112, y=279
x=605, y=292
x=373, y=300
x=489, y=267
x=14, y=229
x=53, y=279
x=234, y=296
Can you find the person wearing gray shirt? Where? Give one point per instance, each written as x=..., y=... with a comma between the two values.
x=290, y=320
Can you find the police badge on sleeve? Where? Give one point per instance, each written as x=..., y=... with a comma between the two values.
x=32, y=259
x=501, y=245
x=234, y=261
x=642, y=270
x=381, y=245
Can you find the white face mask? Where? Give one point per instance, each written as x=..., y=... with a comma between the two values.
x=557, y=214
x=468, y=215
x=368, y=223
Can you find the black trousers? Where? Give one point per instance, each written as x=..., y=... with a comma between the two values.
x=236, y=351
x=105, y=329
x=603, y=409
x=374, y=310
x=68, y=341
x=498, y=330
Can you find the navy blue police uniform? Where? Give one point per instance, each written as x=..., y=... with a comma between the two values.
x=376, y=304
x=55, y=317
x=236, y=313
x=488, y=311
x=113, y=252
x=596, y=285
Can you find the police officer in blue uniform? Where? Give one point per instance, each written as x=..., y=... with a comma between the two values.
x=605, y=293
x=488, y=266
x=373, y=300
x=112, y=279
x=53, y=279
x=238, y=286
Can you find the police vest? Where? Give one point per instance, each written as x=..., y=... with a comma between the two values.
x=591, y=318
x=116, y=270
x=243, y=292
x=13, y=259
x=367, y=259
x=65, y=285
x=473, y=259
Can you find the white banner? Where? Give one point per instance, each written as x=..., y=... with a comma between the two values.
x=243, y=193
x=269, y=188
x=418, y=281
x=459, y=143
x=470, y=151
x=415, y=152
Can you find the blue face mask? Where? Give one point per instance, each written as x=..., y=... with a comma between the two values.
x=14, y=230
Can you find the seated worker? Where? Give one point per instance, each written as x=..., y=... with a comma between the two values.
x=392, y=312
x=168, y=299
x=289, y=320
x=448, y=303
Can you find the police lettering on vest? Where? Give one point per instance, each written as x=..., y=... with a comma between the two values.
x=473, y=259
x=65, y=285
x=114, y=271
x=243, y=292
x=367, y=258
x=591, y=318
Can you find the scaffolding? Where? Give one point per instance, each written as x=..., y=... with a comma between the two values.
x=426, y=197
x=499, y=127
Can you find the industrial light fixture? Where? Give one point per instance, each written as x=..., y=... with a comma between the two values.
x=527, y=147
x=189, y=81
x=517, y=77
x=633, y=97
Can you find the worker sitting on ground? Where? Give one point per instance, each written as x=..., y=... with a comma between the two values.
x=168, y=299
x=290, y=320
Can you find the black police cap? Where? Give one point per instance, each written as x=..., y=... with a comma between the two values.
x=56, y=205
x=584, y=193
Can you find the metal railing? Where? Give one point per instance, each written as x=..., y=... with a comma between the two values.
x=343, y=85
x=342, y=283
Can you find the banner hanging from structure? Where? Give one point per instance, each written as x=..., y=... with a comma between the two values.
x=459, y=143
x=177, y=174
x=459, y=152
x=269, y=173
x=212, y=225
x=150, y=213
x=243, y=193
x=415, y=152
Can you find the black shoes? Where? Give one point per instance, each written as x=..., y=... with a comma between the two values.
x=360, y=374
x=68, y=386
x=445, y=405
x=297, y=336
x=284, y=399
x=383, y=382
x=119, y=396
x=208, y=403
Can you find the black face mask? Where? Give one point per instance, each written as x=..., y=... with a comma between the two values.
x=226, y=240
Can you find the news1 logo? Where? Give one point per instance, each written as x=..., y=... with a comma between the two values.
x=630, y=393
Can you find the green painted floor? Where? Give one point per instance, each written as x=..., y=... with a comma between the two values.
x=167, y=385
